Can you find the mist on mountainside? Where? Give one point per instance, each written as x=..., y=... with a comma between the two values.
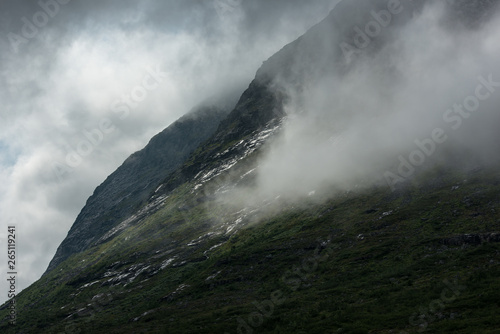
x=427, y=94
x=70, y=67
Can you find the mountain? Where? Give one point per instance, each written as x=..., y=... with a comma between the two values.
x=127, y=189
x=168, y=244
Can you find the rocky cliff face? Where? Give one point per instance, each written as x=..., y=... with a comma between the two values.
x=127, y=189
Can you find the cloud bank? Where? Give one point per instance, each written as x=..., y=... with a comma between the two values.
x=430, y=93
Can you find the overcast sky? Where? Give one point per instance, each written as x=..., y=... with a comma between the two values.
x=111, y=73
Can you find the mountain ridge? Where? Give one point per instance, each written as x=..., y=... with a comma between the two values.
x=122, y=192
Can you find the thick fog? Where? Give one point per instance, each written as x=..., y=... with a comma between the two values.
x=428, y=94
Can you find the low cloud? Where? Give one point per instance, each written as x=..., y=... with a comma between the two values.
x=351, y=129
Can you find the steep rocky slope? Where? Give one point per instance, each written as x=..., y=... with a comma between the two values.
x=124, y=191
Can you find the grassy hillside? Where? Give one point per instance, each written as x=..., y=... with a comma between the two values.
x=424, y=259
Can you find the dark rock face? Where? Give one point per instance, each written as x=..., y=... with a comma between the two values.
x=124, y=191
x=259, y=106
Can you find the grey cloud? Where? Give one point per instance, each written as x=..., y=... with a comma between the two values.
x=346, y=128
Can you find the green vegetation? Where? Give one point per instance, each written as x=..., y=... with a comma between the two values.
x=423, y=258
